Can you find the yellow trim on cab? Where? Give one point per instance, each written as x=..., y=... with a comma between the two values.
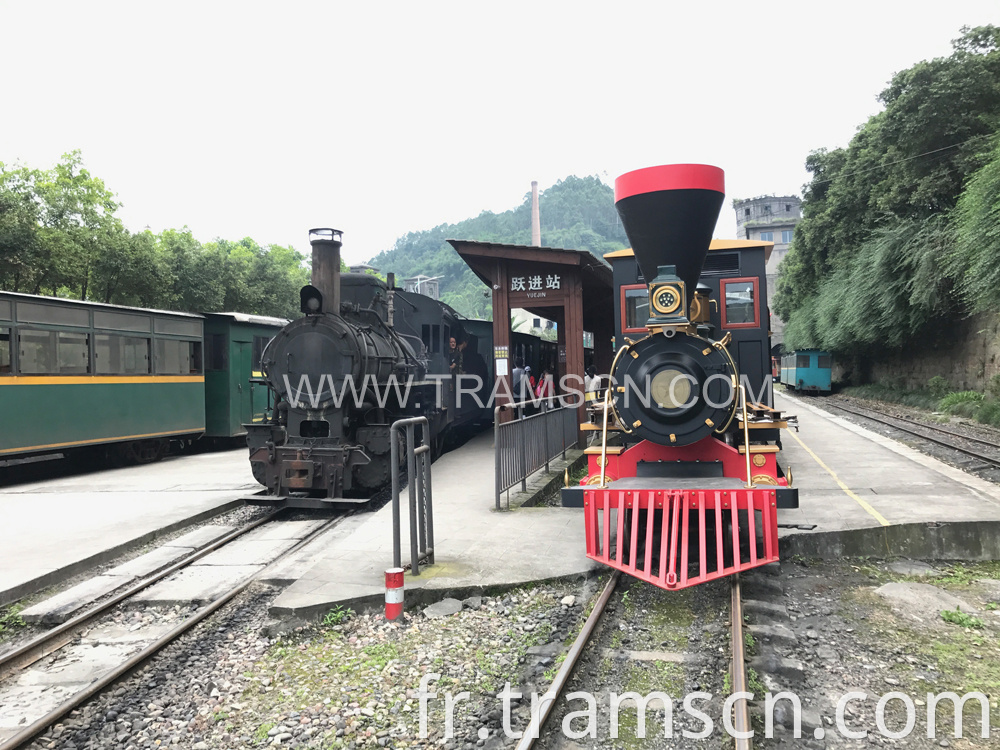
x=101, y=440
x=95, y=379
x=716, y=245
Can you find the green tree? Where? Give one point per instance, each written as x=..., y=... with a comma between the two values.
x=893, y=187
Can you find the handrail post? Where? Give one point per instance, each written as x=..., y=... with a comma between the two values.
x=418, y=479
x=523, y=468
x=498, y=464
x=411, y=476
x=397, y=561
x=426, y=457
x=545, y=434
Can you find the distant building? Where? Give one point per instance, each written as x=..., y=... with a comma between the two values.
x=423, y=285
x=770, y=218
x=362, y=268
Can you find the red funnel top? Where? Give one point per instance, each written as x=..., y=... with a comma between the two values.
x=669, y=213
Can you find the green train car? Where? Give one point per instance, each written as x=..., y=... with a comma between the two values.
x=76, y=374
x=124, y=381
x=234, y=343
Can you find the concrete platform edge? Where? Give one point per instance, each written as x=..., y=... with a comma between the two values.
x=60, y=575
x=286, y=618
x=958, y=540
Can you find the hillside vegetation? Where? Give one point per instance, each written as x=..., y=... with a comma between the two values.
x=901, y=229
x=576, y=213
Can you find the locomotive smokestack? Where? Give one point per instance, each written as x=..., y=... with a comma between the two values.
x=669, y=213
x=536, y=223
x=326, y=245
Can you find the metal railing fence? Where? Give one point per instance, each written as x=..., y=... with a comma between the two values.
x=418, y=473
x=528, y=442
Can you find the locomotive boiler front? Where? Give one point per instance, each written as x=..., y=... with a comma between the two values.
x=674, y=387
x=332, y=374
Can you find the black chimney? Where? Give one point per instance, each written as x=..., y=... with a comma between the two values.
x=669, y=213
x=326, y=245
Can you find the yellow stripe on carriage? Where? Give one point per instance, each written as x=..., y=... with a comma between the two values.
x=191, y=431
x=871, y=511
x=98, y=379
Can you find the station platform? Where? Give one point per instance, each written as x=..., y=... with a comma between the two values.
x=852, y=478
x=54, y=529
x=854, y=486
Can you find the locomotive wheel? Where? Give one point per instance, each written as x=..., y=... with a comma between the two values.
x=141, y=452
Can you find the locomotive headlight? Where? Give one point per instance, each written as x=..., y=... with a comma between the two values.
x=666, y=299
x=672, y=389
x=313, y=304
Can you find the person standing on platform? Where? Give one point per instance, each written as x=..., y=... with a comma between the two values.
x=545, y=388
x=517, y=380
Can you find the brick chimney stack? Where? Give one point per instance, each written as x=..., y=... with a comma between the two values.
x=536, y=224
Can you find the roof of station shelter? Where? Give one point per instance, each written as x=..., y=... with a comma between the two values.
x=595, y=273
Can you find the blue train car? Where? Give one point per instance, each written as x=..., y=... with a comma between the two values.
x=807, y=370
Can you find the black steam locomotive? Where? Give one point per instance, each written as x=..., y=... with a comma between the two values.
x=363, y=355
x=686, y=483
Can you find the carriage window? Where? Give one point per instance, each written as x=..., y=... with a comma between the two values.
x=4, y=351
x=802, y=360
x=37, y=352
x=215, y=354
x=259, y=344
x=824, y=361
x=121, y=355
x=740, y=309
x=74, y=353
x=635, y=308
x=175, y=357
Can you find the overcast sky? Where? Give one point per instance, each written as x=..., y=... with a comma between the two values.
x=379, y=118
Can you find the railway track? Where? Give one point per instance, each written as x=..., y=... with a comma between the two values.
x=13, y=663
x=932, y=433
x=737, y=667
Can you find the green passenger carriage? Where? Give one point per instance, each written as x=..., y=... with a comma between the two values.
x=77, y=374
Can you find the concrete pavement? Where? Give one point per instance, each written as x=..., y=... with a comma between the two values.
x=55, y=529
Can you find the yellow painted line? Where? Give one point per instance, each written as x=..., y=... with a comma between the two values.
x=101, y=440
x=99, y=379
x=874, y=513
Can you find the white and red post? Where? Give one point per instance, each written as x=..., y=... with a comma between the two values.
x=393, y=593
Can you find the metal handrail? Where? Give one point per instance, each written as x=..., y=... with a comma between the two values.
x=419, y=485
x=545, y=446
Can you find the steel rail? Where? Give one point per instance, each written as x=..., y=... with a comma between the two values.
x=738, y=671
x=894, y=423
x=30, y=732
x=54, y=639
x=533, y=731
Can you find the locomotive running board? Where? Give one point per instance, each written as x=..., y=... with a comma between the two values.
x=665, y=536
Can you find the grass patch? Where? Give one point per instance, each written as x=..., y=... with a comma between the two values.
x=919, y=399
x=10, y=619
x=337, y=616
x=261, y=734
x=962, y=619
